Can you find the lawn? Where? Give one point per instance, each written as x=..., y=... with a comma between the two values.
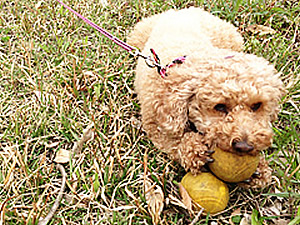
x=67, y=95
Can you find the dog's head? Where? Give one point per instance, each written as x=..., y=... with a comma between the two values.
x=232, y=101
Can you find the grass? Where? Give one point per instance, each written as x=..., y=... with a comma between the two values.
x=58, y=76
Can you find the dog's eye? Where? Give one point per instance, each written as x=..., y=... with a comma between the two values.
x=255, y=106
x=221, y=108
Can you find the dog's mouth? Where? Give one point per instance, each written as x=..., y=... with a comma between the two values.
x=239, y=147
x=191, y=127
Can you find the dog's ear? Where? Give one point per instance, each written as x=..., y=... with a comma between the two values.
x=171, y=107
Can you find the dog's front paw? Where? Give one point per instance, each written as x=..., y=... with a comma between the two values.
x=262, y=177
x=194, y=154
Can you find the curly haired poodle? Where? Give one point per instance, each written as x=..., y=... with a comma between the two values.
x=218, y=97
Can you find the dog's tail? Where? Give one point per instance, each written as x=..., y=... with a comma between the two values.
x=141, y=32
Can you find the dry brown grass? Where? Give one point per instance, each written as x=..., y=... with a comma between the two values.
x=59, y=77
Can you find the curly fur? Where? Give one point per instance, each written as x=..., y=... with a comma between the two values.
x=180, y=113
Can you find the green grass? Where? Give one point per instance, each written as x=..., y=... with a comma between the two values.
x=58, y=75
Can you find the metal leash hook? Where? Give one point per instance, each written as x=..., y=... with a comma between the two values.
x=152, y=61
x=148, y=59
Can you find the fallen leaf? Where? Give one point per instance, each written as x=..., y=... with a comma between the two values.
x=260, y=29
x=282, y=222
x=155, y=200
x=273, y=210
x=246, y=220
x=62, y=156
x=186, y=199
x=175, y=201
x=236, y=212
x=235, y=215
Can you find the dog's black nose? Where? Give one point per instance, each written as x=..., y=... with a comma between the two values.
x=242, y=146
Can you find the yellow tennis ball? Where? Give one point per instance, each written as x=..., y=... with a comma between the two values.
x=231, y=167
x=207, y=190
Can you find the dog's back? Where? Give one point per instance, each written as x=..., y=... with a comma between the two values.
x=191, y=27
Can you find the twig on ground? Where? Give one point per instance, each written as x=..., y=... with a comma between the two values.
x=195, y=220
x=59, y=197
x=87, y=135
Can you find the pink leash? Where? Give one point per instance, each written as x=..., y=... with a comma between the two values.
x=130, y=49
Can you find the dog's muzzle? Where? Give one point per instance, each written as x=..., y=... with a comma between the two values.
x=242, y=146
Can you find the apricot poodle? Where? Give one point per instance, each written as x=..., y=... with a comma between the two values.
x=218, y=96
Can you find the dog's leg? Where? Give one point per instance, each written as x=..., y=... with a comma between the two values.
x=192, y=153
x=261, y=178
